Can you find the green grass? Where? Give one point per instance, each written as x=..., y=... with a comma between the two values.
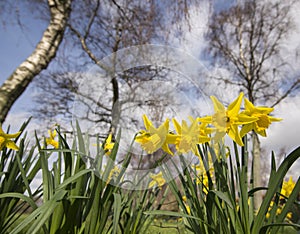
x=162, y=226
x=159, y=226
x=167, y=227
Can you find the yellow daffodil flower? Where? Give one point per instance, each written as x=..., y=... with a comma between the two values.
x=108, y=145
x=263, y=119
x=5, y=140
x=113, y=174
x=205, y=130
x=50, y=140
x=153, y=138
x=200, y=169
x=189, y=136
x=287, y=187
x=202, y=177
x=187, y=207
x=228, y=120
x=157, y=179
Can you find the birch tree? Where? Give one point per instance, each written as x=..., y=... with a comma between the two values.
x=44, y=52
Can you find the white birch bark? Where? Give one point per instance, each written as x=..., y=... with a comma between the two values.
x=44, y=52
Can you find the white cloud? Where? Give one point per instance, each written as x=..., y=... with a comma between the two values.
x=16, y=119
x=285, y=133
x=283, y=137
x=193, y=41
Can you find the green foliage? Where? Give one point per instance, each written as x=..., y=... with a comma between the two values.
x=17, y=171
x=77, y=196
x=134, y=218
x=227, y=206
x=76, y=199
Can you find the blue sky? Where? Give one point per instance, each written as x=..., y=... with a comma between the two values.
x=16, y=44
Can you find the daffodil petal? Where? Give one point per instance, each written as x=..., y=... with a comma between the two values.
x=53, y=134
x=48, y=141
x=218, y=106
x=261, y=132
x=248, y=104
x=206, y=119
x=2, y=142
x=11, y=145
x=245, y=119
x=147, y=122
x=14, y=135
x=152, y=184
x=156, y=176
x=1, y=130
x=53, y=143
x=260, y=109
x=176, y=126
x=195, y=150
x=166, y=148
x=184, y=125
x=109, y=138
x=246, y=128
x=172, y=138
x=166, y=125
x=235, y=106
x=233, y=133
x=191, y=119
x=273, y=119
x=203, y=139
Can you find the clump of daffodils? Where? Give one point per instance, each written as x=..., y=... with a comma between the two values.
x=232, y=121
x=278, y=210
x=286, y=190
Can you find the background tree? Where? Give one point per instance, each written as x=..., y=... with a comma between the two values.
x=97, y=29
x=247, y=40
x=45, y=51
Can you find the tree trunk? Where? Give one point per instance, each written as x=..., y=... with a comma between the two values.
x=256, y=171
x=44, y=52
x=116, y=107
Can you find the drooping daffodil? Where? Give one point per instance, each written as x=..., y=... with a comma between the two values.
x=108, y=145
x=5, y=140
x=202, y=176
x=157, y=179
x=187, y=207
x=50, y=140
x=263, y=118
x=153, y=138
x=114, y=173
